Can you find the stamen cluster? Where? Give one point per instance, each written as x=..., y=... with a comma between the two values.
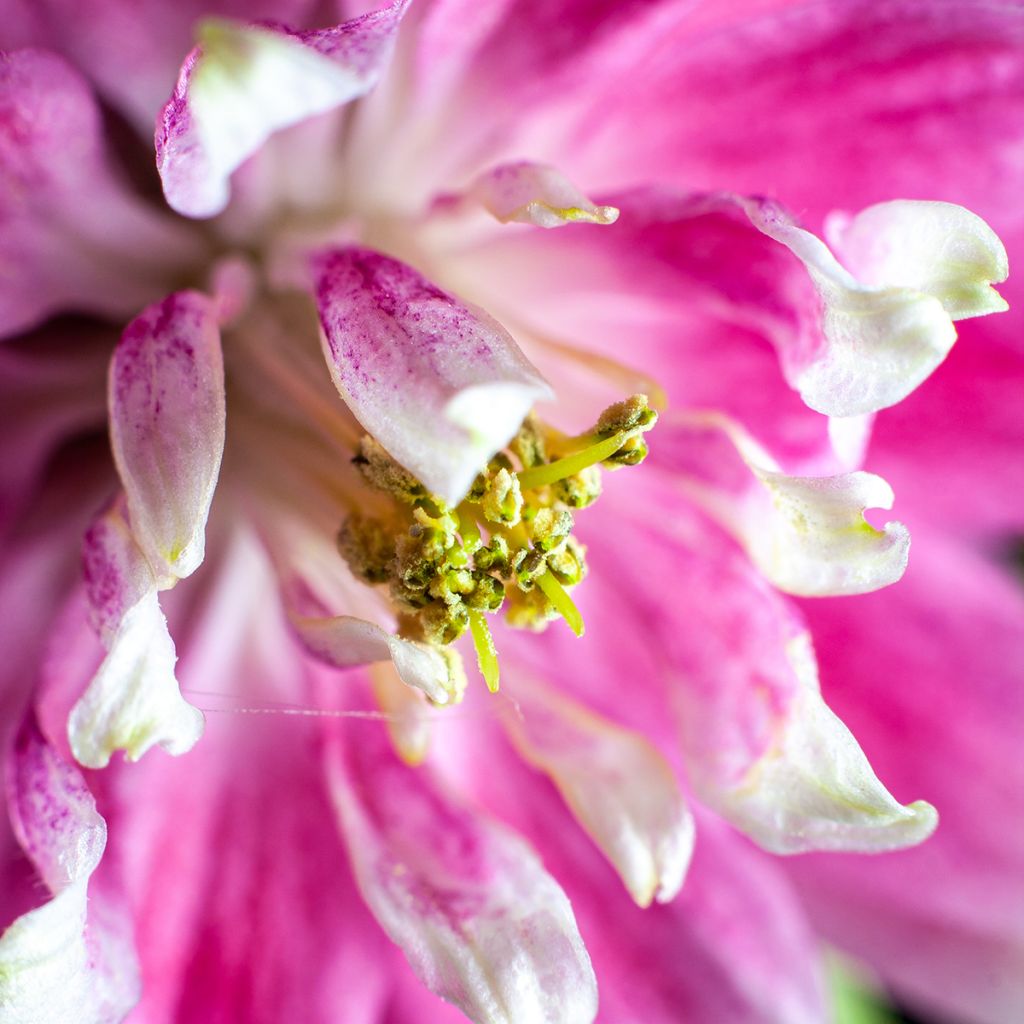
x=509, y=543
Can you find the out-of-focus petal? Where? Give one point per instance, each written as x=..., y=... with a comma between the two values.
x=345, y=641
x=618, y=786
x=167, y=418
x=465, y=386
x=482, y=923
x=133, y=702
x=536, y=194
x=54, y=964
x=807, y=535
x=110, y=254
x=243, y=83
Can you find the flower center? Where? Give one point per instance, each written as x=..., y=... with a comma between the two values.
x=509, y=544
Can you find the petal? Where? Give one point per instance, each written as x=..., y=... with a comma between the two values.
x=243, y=83
x=167, y=427
x=483, y=925
x=618, y=786
x=536, y=194
x=109, y=255
x=465, y=386
x=133, y=701
x=344, y=641
x=937, y=248
x=880, y=341
x=807, y=535
x=52, y=967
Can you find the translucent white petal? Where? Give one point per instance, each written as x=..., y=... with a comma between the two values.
x=537, y=194
x=618, y=786
x=133, y=702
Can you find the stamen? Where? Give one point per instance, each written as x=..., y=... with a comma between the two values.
x=486, y=652
x=563, y=603
x=552, y=472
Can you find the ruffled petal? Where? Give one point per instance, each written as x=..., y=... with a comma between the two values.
x=109, y=255
x=807, y=535
x=243, y=83
x=618, y=786
x=167, y=418
x=537, y=194
x=54, y=964
x=930, y=263
x=482, y=923
x=344, y=641
x=465, y=386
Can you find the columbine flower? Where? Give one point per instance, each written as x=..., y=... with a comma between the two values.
x=363, y=211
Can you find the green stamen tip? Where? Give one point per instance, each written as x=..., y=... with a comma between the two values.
x=486, y=652
x=563, y=603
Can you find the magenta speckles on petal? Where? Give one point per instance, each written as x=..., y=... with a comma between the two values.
x=440, y=384
x=167, y=426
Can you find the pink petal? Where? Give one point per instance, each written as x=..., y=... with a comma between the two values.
x=469, y=386
x=53, y=966
x=167, y=427
x=943, y=923
x=108, y=255
x=243, y=83
x=618, y=786
x=483, y=925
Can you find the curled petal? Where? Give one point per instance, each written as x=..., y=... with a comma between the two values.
x=465, y=386
x=536, y=194
x=482, y=923
x=109, y=255
x=133, y=702
x=409, y=718
x=245, y=82
x=807, y=535
x=345, y=641
x=881, y=340
x=52, y=968
x=618, y=786
x=939, y=249
x=167, y=419
x=814, y=789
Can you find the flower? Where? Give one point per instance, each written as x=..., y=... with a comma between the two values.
x=398, y=209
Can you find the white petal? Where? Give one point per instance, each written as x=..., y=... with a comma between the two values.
x=409, y=717
x=482, y=923
x=345, y=641
x=536, y=194
x=440, y=384
x=167, y=416
x=939, y=249
x=243, y=83
x=133, y=702
x=814, y=790
x=618, y=786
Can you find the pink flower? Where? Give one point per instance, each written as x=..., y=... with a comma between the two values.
x=361, y=211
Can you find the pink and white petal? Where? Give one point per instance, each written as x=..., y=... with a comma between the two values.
x=807, y=535
x=167, y=418
x=537, y=194
x=133, y=701
x=245, y=82
x=109, y=255
x=465, y=385
x=482, y=923
x=943, y=924
x=760, y=745
x=62, y=960
x=618, y=786
x=344, y=641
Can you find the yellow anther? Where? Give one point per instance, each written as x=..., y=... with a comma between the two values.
x=528, y=444
x=503, y=501
x=551, y=527
x=368, y=548
x=567, y=563
x=382, y=472
x=632, y=414
x=443, y=623
x=581, y=489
